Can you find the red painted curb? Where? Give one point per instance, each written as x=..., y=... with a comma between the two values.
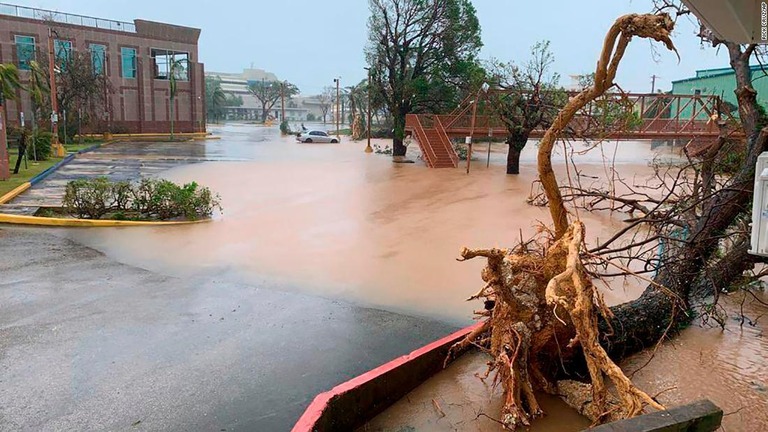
x=309, y=421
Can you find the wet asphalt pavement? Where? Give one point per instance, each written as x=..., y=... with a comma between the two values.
x=90, y=344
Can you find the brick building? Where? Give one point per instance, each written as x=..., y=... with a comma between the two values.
x=135, y=57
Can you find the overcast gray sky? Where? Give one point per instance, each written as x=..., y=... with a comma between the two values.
x=309, y=42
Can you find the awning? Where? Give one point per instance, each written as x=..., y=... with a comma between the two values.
x=739, y=21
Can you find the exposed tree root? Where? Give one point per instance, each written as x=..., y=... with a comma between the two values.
x=545, y=310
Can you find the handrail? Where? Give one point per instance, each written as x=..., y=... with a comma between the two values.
x=65, y=18
x=446, y=141
x=421, y=137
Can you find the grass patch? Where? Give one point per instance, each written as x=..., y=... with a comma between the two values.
x=31, y=169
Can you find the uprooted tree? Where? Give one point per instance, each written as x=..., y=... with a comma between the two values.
x=545, y=325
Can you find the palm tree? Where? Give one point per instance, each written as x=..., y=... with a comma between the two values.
x=177, y=70
x=9, y=83
x=358, y=102
x=38, y=86
x=215, y=97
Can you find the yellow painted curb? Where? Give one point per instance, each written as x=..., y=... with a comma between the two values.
x=14, y=193
x=85, y=223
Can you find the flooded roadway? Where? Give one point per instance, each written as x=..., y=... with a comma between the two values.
x=342, y=224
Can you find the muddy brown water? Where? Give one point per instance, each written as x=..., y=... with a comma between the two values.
x=352, y=226
x=457, y=400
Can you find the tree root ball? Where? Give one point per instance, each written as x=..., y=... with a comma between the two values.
x=544, y=312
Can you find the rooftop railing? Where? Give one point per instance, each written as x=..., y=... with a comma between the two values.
x=65, y=18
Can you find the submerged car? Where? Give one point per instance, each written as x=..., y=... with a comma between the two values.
x=316, y=136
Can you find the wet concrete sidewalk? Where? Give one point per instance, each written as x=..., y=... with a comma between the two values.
x=87, y=343
x=116, y=161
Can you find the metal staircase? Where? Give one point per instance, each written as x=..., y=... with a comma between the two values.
x=433, y=141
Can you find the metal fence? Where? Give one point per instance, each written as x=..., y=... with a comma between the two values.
x=65, y=18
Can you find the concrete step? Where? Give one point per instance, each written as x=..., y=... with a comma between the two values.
x=20, y=210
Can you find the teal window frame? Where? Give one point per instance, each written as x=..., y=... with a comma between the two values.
x=128, y=62
x=25, y=50
x=98, y=58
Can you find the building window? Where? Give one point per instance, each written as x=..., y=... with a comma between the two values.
x=128, y=56
x=98, y=58
x=165, y=60
x=63, y=50
x=25, y=50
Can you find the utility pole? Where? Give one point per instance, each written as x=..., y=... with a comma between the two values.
x=338, y=111
x=368, y=148
x=282, y=101
x=653, y=83
x=5, y=170
x=56, y=147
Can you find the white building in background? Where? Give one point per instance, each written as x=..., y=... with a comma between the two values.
x=576, y=84
x=297, y=108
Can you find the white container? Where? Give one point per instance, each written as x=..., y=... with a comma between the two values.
x=760, y=208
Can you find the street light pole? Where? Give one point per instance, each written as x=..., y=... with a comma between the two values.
x=338, y=110
x=282, y=101
x=368, y=148
x=56, y=147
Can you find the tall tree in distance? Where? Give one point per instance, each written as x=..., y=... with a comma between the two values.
x=269, y=92
x=418, y=51
x=528, y=97
x=81, y=90
x=215, y=98
x=325, y=99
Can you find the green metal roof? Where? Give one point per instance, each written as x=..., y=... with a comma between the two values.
x=710, y=73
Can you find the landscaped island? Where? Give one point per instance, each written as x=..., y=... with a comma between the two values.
x=144, y=200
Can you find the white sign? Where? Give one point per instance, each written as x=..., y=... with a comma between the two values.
x=54, y=118
x=21, y=114
x=468, y=140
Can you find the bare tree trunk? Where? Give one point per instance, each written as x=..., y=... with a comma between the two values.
x=516, y=144
x=4, y=168
x=513, y=160
x=398, y=148
x=22, y=151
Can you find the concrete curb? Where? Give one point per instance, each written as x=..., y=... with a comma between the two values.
x=14, y=193
x=351, y=404
x=86, y=223
x=40, y=177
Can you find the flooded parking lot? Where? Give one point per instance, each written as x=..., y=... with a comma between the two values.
x=332, y=221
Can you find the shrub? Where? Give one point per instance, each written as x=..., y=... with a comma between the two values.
x=461, y=150
x=285, y=128
x=88, y=198
x=151, y=199
x=40, y=146
x=387, y=150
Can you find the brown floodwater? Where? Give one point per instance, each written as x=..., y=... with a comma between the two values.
x=457, y=400
x=330, y=220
